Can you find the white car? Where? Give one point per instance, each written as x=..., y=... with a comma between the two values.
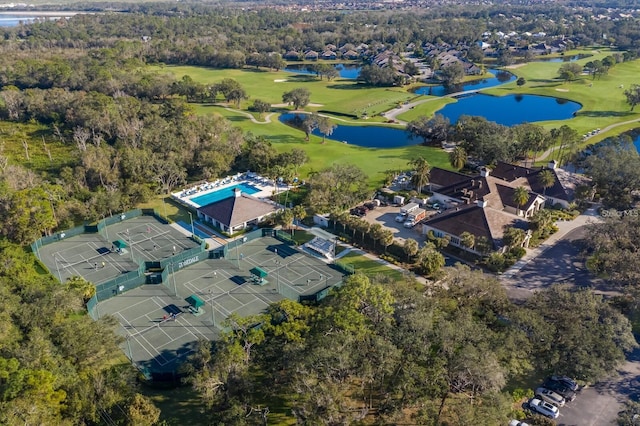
x=543, y=407
x=517, y=423
x=550, y=396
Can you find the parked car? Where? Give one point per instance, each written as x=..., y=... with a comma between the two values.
x=550, y=396
x=560, y=389
x=517, y=423
x=568, y=382
x=543, y=407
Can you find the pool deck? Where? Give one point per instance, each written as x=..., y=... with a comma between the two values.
x=265, y=185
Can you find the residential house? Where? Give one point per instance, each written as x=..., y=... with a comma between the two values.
x=291, y=55
x=329, y=55
x=311, y=55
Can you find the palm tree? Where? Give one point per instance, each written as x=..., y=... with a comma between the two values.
x=547, y=179
x=467, y=240
x=458, y=157
x=386, y=238
x=520, y=197
x=422, y=171
x=410, y=248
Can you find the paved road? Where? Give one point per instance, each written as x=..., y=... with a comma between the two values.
x=600, y=404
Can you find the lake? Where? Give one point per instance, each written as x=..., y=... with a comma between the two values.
x=366, y=136
x=506, y=110
x=13, y=19
x=349, y=71
x=511, y=109
x=499, y=77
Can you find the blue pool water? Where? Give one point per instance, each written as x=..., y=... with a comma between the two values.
x=511, y=109
x=499, y=77
x=221, y=194
x=349, y=71
x=636, y=142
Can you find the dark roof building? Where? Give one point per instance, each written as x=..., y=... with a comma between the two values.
x=237, y=212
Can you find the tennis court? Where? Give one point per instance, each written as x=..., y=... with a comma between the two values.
x=118, y=249
x=147, y=239
x=86, y=255
x=228, y=286
x=155, y=340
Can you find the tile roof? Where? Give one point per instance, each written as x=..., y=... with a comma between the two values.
x=235, y=211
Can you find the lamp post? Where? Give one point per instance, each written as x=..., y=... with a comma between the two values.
x=173, y=274
x=192, y=230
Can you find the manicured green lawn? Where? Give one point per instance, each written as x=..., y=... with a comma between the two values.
x=339, y=95
x=374, y=162
x=603, y=101
x=370, y=267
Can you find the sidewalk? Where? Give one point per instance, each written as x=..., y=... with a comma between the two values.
x=564, y=227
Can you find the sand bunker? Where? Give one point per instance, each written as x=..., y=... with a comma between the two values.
x=280, y=80
x=562, y=90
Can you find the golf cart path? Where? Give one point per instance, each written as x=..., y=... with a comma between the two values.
x=548, y=152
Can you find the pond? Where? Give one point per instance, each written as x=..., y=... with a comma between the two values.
x=636, y=141
x=562, y=58
x=365, y=136
x=349, y=71
x=511, y=109
x=499, y=77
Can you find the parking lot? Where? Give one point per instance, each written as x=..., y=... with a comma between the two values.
x=386, y=215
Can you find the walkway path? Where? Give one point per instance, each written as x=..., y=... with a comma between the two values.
x=548, y=152
x=392, y=114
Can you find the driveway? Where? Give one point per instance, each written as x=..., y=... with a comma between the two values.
x=560, y=263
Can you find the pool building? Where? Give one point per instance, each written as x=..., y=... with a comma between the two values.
x=232, y=204
x=235, y=213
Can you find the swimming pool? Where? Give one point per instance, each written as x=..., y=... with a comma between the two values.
x=221, y=194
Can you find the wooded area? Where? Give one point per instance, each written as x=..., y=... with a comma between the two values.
x=112, y=134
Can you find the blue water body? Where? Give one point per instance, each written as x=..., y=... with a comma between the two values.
x=636, y=142
x=14, y=20
x=499, y=77
x=366, y=136
x=511, y=109
x=348, y=71
x=221, y=194
x=562, y=58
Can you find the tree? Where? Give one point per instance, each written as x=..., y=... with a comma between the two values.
x=513, y=237
x=299, y=212
x=458, y=157
x=309, y=124
x=615, y=171
x=452, y=75
x=386, y=238
x=569, y=71
x=467, y=240
x=633, y=95
x=260, y=106
x=547, y=179
x=587, y=346
x=521, y=81
x=430, y=260
x=142, y=412
x=298, y=97
x=339, y=186
x=231, y=90
x=613, y=251
x=520, y=197
x=421, y=173
x=432, y=130
x=325, y=126
x=410, y=248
